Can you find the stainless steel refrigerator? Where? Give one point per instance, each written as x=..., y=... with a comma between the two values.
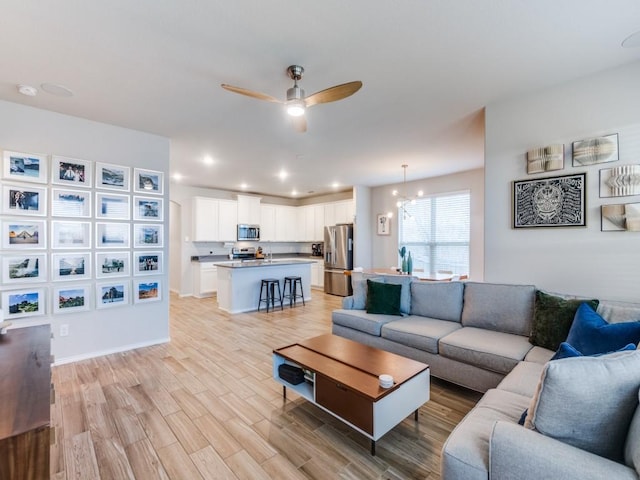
x=338, y=259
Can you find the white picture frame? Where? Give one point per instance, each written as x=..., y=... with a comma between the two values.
x=71, y=299
x=25, y=167
x=70, y=234
x=148, y=263
x=113, y=206
x=71, y=172
x=24, y=268
x=66, y=202
x=113, y=264
x=28, y=302
x=112, y=294
x=112, y=177
x=24, y=234
x=147, y=290
x=71, y=266
x=148, y=181
x=24, y=199
x=148, y=209
x=112, y=235
x=147, y=235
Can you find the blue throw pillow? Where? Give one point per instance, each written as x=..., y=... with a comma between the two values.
x=567, y=351
x=590, y=334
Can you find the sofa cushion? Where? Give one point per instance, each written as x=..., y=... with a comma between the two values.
x=382, y=298
x=501, y=308
x=495, y=351
x=418, y=332
x=590, y=334
x=552, y=318
x=361, y=320
x=618, y=312
x=359, y=285
x=588, y=402
x=405, y=293
x=632, y=446
x=442, y=300
x=523, y=379
x=539, y=355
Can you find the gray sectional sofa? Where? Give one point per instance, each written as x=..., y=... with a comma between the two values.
x=477, y=335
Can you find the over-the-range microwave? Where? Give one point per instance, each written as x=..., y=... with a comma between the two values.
x=248, y=232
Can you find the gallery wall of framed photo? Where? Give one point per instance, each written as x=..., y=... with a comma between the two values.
x=78, y=235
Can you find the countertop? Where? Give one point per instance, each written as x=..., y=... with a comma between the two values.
x=277, y=256
x=262, y=263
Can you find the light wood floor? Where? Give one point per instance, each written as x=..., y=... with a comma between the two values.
x=205, y=406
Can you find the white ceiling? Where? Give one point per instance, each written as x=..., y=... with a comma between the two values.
x=428, y=68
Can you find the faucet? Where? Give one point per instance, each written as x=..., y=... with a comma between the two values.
x=270, y=254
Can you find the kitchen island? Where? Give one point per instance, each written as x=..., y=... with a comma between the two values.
x=239, y=282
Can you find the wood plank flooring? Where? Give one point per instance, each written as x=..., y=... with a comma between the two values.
x=204, y=406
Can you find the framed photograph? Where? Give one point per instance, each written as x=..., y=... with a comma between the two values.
x=112, y=177
x=113, y=264
x=70, y=234
x=545, y=159
x=24, y=268
x=112, y=206
x=71, y=266
x=71, y=299
x=147, y=263
x=383, y=223
x=26, y=167
x=148, y=209
x=148, y=181
x=70, y=203
x=22, y=234
x=24, y=200
x=147, y=235
x=146, y=291
x=23, y=303
x=112, y=294
x=112, y=235
x=595, y=150
x=550, y=202
x=71, y=172
x=624, y=217
x=620, y=181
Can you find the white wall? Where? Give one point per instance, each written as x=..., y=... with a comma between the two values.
x=582, y=261
x=95, y=332
x=385, y=248
x=362, y=239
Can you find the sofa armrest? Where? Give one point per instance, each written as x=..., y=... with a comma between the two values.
x=347, y=303
x=516, y=453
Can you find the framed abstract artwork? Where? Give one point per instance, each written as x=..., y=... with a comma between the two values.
x=70, y=234
x=623, y=217
x=67, y=202
x=595, y=150
x=112, y=206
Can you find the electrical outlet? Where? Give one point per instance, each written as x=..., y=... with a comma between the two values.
x=64, y=330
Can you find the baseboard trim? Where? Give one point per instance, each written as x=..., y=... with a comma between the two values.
x=101, y=353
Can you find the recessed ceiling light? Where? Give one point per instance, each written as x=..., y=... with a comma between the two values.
x=283, y=175
x=335, y=184
x=244, y=186
x=208, y=160
x=28, y=90
x=632, y=40
x=59, y=90
x=177, y=176
x=294, y=193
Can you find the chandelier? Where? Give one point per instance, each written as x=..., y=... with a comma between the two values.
x=403, y=198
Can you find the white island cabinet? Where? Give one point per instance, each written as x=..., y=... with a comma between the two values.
x=239, y=282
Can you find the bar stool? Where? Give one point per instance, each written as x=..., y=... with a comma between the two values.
x=269, y=286
x=292, y=282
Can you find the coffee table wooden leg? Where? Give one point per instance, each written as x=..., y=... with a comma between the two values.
x=415, y=415
x=284, y=392
x=373, y=447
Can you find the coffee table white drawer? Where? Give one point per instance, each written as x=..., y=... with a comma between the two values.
x=345, y=403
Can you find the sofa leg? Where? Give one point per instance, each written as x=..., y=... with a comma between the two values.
x=373, y=447
x=415, y=415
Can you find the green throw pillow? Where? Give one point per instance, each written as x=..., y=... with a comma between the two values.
x=383, y=298
x=552, y=319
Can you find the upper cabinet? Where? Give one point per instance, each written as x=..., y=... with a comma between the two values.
x=227, y=221
x=267, y=223
x=249, y=211
x=214, y=220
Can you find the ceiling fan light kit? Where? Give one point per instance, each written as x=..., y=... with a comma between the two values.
x=296, y=102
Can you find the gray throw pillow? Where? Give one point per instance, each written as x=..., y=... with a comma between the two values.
x=632, y=448
x=588, y=402
x=405, y=294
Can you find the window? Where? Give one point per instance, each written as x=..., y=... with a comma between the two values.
x=436, y=232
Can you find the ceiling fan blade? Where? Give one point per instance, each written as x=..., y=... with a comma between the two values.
x=332, y=94
x=299, y=123
x=250, y=93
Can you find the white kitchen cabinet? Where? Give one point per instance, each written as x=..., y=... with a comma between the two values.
x=344, y=211
x=205, y=281
x=317, y=274
x=249, y=211
x=306, y=223
x=227, y=220
x=285, y=223
x=267, y=223
x=204, y=219
x=329, y=214
x=318, y=228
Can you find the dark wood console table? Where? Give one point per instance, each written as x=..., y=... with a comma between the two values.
x=25, y=403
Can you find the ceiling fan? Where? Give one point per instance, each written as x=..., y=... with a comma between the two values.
x=296, y=102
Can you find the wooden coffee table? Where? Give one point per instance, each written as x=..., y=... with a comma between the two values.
x=341, y=377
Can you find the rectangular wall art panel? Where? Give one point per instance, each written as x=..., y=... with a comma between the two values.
x=595, y=150
x=620, y=181
x=550, y=202
x=621, y=218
